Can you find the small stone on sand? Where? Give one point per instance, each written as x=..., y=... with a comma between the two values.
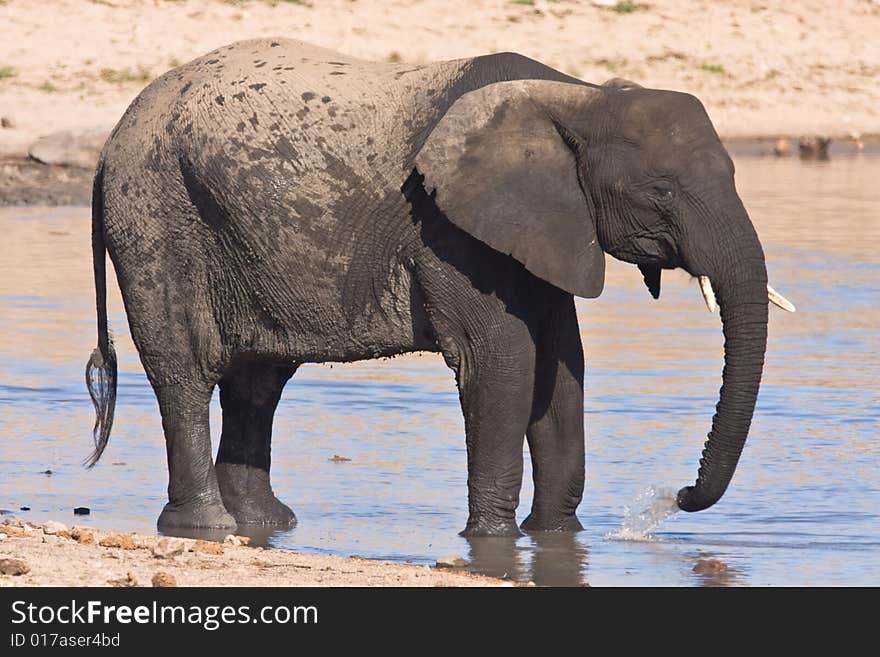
x=164, y=580
x=451, y=562
x=124, y=582
x=168, y=548
x=53, y=527
x=14, y=567
x=82, y=535
x=124, y=541
x=207, y=547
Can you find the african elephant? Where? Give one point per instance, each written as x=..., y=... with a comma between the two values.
x=274, y=203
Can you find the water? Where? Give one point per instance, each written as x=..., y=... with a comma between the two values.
x=802, y=509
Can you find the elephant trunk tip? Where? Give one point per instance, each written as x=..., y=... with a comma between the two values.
x=691, y=499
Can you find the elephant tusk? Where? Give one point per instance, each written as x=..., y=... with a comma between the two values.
x=708, y=294
x=779, y=300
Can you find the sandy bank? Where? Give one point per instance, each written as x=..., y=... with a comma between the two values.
x=49, y=555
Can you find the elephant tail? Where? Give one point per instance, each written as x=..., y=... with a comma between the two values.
x=101, y=368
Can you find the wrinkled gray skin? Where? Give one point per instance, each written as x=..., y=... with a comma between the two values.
x=273, y=203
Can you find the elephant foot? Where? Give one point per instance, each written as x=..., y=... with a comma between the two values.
x=248, y=496
x=539, y=523
x=478, y=527
x=201, y=514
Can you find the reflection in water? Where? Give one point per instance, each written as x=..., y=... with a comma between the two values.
x=802, y=509
x=545, y=558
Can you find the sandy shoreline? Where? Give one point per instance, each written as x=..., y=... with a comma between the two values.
x=764, y=69
x=52, y=554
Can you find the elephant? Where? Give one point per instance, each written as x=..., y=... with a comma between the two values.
x=273, y=203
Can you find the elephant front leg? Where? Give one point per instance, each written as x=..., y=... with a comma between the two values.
x=193, y=494
x=249, y=396
x=495, y=383
x=556, y=430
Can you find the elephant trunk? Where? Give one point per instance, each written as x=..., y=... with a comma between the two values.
x=739, y=278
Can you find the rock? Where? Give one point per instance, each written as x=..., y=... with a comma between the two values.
x=17, y=532
x=207, y=547
x=6, y=122
x=54, y=527
x=24, y=508
x=340, y=459
x=232, y=539
x=167, y=548
x=782, y=148
x=72, y=148
x=47, y=472
x=14, y=567
x=81, y=511
x=164, y=580
x=82, y=535
x=124, y=541
x=451, y=562
x=128, y=581
x=3, y=537
x=710, y=567
x=814, y=148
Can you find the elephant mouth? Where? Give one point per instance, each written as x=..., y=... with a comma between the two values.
x=651, y=246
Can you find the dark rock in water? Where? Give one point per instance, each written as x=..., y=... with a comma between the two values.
x=814, y=148
x=24, y=508
x=340, y=459
x=82, y=511
x=47, y=472
x=710, y=567
x=70, y=148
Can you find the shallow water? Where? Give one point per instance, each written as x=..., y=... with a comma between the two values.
x=803, y=509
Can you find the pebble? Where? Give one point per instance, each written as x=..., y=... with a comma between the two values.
x=232, y=539
x=451, y=562
x=164, y=580
x=53, y=527
x=82, y=535
x=167, y=548
x=710, y=567
x=14, y=567
x=81, y=511
x=128, y=581
x=124, y=541
x=207, y=547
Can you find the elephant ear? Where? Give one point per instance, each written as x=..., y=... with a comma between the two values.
x=501, y=170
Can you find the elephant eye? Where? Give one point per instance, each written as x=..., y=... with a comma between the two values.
x=663, y=190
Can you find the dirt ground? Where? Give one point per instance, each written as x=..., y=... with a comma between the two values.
x=49, y=555
x=762, y=67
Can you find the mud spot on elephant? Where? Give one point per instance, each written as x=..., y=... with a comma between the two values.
x=337, y=63
x=220, y=100
x=257, y=86
x=259, y=65
x=125, y=189
x=254, y=121
x=301, y=114
x=285, y=149
x=212, y=61
x=337, y=127
x=326, y=99
x=238, y=96
x=308, y=95
x=274, y=44
x=240, y=126
x=185, y=88
x=331, y=111
x=337, y=72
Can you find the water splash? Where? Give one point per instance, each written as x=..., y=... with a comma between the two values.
x=644, y=515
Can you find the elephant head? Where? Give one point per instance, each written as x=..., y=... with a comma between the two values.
x=556, y=173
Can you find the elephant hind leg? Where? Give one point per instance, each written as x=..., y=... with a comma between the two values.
x=249, y=395
x=193, y=494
